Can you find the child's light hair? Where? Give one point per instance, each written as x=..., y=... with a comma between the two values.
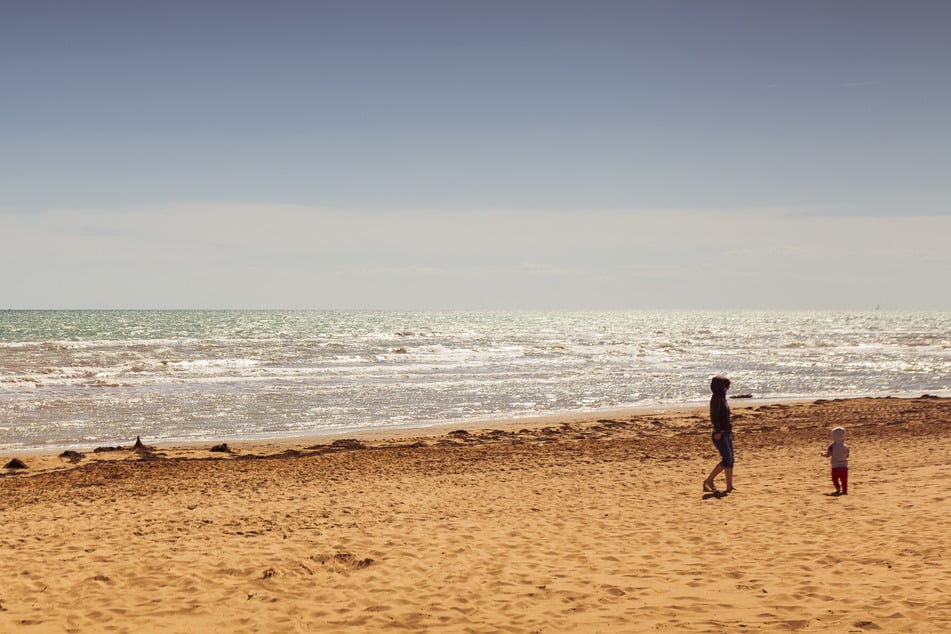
x=838, y=433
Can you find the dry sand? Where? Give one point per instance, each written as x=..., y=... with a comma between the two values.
x=577, y=526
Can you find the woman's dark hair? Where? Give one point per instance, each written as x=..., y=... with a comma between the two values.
x=719, y=384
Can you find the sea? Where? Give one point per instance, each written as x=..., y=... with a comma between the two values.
x=81, y=378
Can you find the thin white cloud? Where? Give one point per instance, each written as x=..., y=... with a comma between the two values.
x=301, y=256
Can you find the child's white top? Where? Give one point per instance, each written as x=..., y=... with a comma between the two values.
x=839, y=452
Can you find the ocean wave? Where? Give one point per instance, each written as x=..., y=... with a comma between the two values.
x=196, y=373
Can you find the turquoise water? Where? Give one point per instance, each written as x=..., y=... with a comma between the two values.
x=81, y=378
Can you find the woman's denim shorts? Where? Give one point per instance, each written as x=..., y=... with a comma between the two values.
x=725, y=447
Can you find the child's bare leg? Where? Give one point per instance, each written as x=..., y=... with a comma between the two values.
x=729, y=478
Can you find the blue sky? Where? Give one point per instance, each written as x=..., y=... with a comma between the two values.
x=475, y=154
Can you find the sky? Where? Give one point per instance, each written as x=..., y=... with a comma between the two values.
x=475, y=155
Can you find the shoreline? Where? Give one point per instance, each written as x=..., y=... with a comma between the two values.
x=638, y=420
x=292, y=439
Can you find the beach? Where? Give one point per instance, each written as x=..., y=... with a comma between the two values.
x=564, y=524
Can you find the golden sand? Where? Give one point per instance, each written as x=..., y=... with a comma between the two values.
x=568, y=526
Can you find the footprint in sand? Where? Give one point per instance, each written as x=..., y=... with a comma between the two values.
x=340, y=562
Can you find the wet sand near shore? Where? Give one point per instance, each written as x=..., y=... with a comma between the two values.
x=586, y=525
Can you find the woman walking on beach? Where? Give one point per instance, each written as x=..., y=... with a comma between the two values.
x=722, y=433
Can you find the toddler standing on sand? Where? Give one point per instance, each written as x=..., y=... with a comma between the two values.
x=838, y=451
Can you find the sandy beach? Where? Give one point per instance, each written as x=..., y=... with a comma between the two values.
x=570, y=525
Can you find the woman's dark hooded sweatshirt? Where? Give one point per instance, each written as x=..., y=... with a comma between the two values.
x=719, y=408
